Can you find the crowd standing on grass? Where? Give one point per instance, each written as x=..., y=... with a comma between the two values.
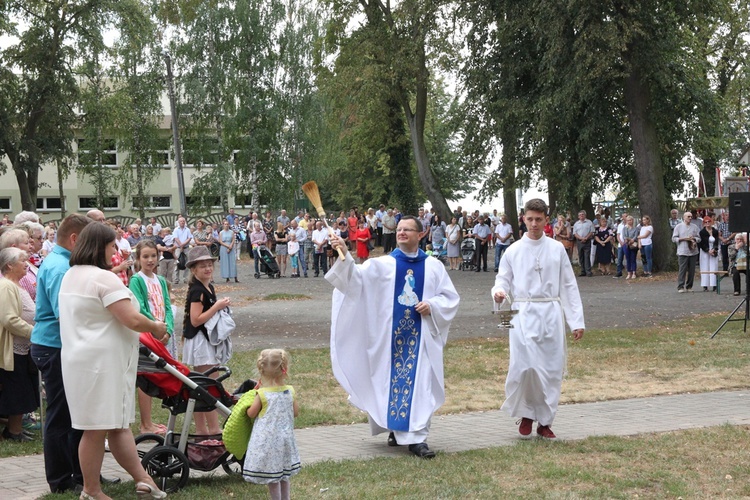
x=391, y=249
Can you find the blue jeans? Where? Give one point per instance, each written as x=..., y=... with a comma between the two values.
x=648, y=251
x=632, y=255
x=60, y=439
x=499, y=250
x=620, y=257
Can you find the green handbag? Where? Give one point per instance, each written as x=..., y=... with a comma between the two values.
x=239, y=426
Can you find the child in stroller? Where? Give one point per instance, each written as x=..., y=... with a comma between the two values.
x=468, y=254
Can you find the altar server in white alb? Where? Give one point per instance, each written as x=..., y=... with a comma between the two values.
x=390, y=322
x=536, y=276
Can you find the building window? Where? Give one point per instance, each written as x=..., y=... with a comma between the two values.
x=109, y=153
x=242, y=200
x=4, y=204
x=157, y=202
x=209, y=201
x=51, y=203
x=89, y=202
x=162, y=158
x=200, y=153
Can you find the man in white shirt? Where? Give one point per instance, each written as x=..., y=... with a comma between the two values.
x=182, y=239
x=155, y=226
x=319, y=239
x=379, y=215
x=583, y=232
x=621, y=246
x=503, y=234
x=389, y=231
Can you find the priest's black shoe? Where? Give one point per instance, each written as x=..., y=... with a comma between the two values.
x=421, y=450
x=392, y=440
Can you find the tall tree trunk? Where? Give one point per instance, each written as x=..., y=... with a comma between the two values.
x=60, y=178
x=254, y=201
x=648, y=163
x=508, y=174
x=416, y=121
x=24, y=186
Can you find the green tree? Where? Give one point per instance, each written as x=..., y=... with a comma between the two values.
x=586, y=95
x=97, y=104
x=247, y=87
x=37, y=87
x=403, y=44
x=137, y=78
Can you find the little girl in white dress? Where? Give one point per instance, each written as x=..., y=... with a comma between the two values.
x=272, y=456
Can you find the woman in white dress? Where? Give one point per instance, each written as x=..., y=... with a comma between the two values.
x=709, y=253
x=99, y=321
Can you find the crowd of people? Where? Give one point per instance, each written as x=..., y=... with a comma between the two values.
x=121, y=278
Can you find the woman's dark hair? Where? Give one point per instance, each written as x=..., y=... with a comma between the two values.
x=91, y=246
x=436, y=220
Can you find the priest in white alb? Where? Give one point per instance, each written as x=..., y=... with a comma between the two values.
x=536, y=277
x=389, y=324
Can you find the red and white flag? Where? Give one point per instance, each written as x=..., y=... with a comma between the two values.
x=701, y=186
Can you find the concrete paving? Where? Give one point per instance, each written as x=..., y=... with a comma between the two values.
x=22, y=478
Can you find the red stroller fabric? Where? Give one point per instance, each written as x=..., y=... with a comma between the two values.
x=167, y=384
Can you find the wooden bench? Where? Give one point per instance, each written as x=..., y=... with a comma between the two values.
x=720, y=275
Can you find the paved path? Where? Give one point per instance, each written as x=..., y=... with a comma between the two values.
x=22, y=477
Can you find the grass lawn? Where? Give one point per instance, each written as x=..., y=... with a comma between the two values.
x=675, y=357
x=706, y=463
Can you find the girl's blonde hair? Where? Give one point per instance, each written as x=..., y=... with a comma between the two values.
x=273, y=364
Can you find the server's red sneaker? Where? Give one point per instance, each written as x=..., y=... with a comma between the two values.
x=545, y=432
x=525, y=428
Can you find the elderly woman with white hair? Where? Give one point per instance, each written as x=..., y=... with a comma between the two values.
x=36, y=235
x=26, y=216
x=19, y=238
x=17, y=370
x=738, y=260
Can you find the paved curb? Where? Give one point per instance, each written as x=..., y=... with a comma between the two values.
x=23, y=477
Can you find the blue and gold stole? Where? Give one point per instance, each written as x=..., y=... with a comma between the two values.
x=406, y=328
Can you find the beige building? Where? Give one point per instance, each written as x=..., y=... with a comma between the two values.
x=78, y=191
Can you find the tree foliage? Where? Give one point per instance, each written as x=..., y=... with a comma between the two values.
x=593, y=96
x=38, y=90
x=393, y=58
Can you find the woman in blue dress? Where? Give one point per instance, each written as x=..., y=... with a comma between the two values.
x=227, y=254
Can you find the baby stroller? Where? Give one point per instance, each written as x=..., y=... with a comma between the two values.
x=468, y=252
x=268, y=263
x=168, y=459
x=440, y=250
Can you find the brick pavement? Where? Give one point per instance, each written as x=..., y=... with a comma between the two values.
x=23, y=477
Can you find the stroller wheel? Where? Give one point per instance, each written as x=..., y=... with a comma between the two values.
x=257, y=276
x=168, y=467
x=146, y=442
x=232, y=465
